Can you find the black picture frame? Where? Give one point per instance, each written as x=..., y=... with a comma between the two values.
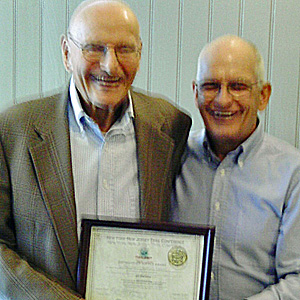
x=208, y=233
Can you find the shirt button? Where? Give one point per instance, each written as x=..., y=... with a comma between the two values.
x=105, y=184
x=222, y=172
x=217, y=206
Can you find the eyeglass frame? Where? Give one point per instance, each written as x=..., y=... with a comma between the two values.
x=217, y=92
x=85, y=51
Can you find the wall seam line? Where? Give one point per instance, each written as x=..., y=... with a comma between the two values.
x=270, y=58
x=41, y=48
x=150, y=46
x=14, y=71
x=67, y=14
x=210, y=20
x=241, y=18
x=179, y=51
x=297, y=137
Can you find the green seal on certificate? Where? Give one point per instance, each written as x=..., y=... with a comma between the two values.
x=177, y=256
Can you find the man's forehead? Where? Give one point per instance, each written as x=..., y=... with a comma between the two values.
x=226, y=65
x=109, y=15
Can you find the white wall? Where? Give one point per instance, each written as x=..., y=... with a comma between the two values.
x=173, y=33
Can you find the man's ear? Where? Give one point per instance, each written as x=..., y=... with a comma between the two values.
x=196, y=93
x=140, y=47
x=140, y=54
x=265, y=94
x=65, y=50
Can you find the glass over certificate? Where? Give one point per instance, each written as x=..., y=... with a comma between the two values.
x=133, y=261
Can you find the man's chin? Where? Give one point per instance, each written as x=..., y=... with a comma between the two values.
x=224, y=135
x=106, y=100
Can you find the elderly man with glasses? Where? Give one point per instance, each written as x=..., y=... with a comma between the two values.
x=241, y=180
x=98, y=149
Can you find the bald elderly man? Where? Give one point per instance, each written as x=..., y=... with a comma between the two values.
x=98, y=149
x=241, y=180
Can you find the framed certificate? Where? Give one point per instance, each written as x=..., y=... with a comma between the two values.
x=134, y=261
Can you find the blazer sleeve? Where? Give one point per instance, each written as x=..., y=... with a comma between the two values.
x=19, y=280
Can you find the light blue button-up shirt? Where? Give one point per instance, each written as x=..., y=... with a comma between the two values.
x=253, y=199
x=104, y=167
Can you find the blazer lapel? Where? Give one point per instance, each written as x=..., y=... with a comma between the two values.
x=52, y=161
x=155, y=149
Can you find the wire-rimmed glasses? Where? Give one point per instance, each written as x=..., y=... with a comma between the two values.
x=237, y=89
x=96, y=52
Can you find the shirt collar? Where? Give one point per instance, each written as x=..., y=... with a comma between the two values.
x=251, y=145
x=78, y=111
x=80, y=114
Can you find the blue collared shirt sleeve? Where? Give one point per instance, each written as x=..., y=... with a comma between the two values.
x=287, y=248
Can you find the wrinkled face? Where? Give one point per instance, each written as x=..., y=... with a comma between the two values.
x=104, y=82
x=226, y=118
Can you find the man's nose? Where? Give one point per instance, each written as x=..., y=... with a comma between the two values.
x=223, y=98
x=109, y=62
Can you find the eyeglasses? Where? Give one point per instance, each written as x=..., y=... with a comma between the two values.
x=237, y=89
x=96, y=52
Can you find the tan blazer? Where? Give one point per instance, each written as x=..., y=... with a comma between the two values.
x=37, y=206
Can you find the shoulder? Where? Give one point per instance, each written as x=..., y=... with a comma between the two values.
x=32, y=105
x=159, y=114
x=32, y=111
x=274, y=147
x=277, y=159
x=155, y=103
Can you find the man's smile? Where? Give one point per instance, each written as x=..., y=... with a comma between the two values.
x=219, y=114
x=107, y=81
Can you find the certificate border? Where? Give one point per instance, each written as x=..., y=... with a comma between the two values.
x=203, y=230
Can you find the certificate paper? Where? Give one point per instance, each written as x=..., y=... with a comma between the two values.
x=140, y=263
